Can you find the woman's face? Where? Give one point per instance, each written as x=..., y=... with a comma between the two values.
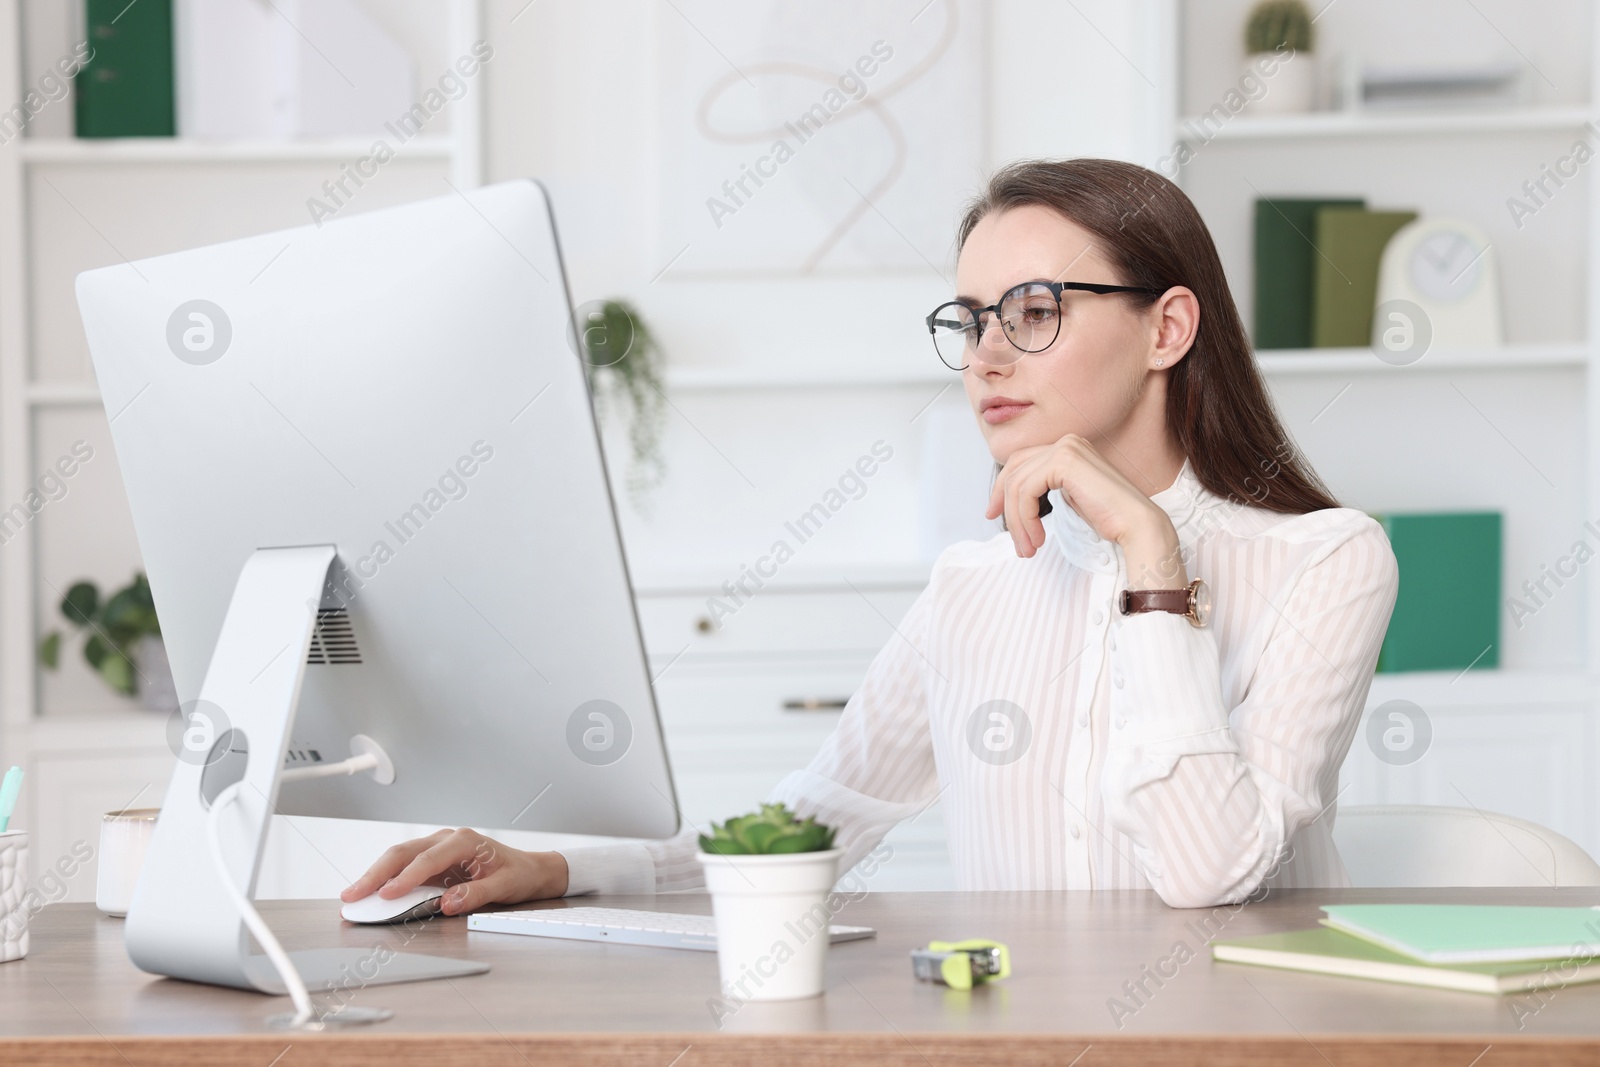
x=1092, y=378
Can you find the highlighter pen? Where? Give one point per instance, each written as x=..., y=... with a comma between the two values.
x=8, y=796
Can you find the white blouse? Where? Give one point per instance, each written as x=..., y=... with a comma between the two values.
x=1075, y=748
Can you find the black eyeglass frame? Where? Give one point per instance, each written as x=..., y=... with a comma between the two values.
x=1055, y=288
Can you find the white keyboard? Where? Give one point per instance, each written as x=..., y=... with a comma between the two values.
x=665, y=929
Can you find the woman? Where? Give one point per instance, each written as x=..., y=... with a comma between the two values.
x=1187, y=741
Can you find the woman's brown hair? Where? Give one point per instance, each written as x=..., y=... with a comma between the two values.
x=1217, y=403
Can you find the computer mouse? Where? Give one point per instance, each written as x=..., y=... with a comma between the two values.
x=421, y=903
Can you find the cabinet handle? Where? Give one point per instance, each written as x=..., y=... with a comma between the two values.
x=816, y=704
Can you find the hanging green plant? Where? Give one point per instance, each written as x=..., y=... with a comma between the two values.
x=623, y=359
x=114, y=626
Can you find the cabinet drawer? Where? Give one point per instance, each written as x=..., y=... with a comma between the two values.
x=774, y=622
x=755, y=703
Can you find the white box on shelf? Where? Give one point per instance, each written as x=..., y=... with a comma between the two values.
x=285, y=70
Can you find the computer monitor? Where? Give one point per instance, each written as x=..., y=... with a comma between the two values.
x=368, y=487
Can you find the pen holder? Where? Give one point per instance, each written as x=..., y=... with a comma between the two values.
x=13, y=886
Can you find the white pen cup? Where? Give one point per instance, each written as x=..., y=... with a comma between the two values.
x=13, y=895
x=124, y=837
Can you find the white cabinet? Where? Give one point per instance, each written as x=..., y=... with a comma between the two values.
x=1526, y=748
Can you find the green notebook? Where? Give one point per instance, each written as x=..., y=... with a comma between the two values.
x=1284, y=230
x=126, y=90
x=1447, y=613
x=1326, y=951
x=1350, y=244
x=1472, y=933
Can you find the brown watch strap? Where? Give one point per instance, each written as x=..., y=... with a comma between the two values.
x=1173, y=600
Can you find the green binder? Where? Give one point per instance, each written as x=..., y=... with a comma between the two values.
x=1447, y=613
x=126, y=89
x=1284, y=230
x=1350, y=244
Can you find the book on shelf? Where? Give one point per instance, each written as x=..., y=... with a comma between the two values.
x=126, y=87
x=1447, y=611
x=1350, y=243
x=1285, y=268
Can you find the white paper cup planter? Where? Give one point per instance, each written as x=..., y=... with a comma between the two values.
x=772, y=922
x=13, y=896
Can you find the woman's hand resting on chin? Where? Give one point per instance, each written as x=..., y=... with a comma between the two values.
x=1112, y=506
x=478, y=870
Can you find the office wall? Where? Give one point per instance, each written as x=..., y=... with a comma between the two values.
x=574, y=98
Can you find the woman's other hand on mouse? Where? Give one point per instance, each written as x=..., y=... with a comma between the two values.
x=476, y=870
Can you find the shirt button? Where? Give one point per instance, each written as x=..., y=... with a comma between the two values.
x=1103, y=558
x=1074, y=831
x=1098, y=616
x=1116, y=680
x=1121, y=722
x=1083, y=719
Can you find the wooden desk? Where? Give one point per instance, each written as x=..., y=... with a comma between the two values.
x=77, y=1000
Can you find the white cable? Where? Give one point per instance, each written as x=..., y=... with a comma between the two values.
x=353, y=765
x=285, y=967
x=252, y=918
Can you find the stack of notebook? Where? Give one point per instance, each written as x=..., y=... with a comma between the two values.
x=1474, y=948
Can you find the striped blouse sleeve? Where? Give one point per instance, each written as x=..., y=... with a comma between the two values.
x=874, y=770
x=1210, y=795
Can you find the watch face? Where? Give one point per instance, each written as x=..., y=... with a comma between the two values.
x=1200, y=602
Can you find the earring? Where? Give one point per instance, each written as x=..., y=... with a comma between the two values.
x=1159, y=361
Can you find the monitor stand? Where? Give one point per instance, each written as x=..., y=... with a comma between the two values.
x=180, y=922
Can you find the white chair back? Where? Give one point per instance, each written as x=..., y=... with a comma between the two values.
x=1421, y=845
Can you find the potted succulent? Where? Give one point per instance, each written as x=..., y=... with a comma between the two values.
x=1278, y=39
x=624, y=361
x=123, y=644
x=769, y=874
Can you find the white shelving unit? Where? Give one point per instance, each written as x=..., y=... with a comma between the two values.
x=1276, y=363
x=1193, y=128
x=1523, y=737
x=86, y=755
x=180, y=150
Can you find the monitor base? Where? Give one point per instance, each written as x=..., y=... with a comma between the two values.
x=183, y=922
x=340, y=970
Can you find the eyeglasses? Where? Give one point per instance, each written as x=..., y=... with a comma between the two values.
x=1028, y=314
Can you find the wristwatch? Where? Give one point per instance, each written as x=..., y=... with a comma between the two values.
x=1192, y=602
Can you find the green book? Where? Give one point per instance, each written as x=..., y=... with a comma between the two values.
x=1325, y=951
x=126, y=89
x=1350, y=245
x=1284, y=230
x=1447, y=613
x=1472, y=933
